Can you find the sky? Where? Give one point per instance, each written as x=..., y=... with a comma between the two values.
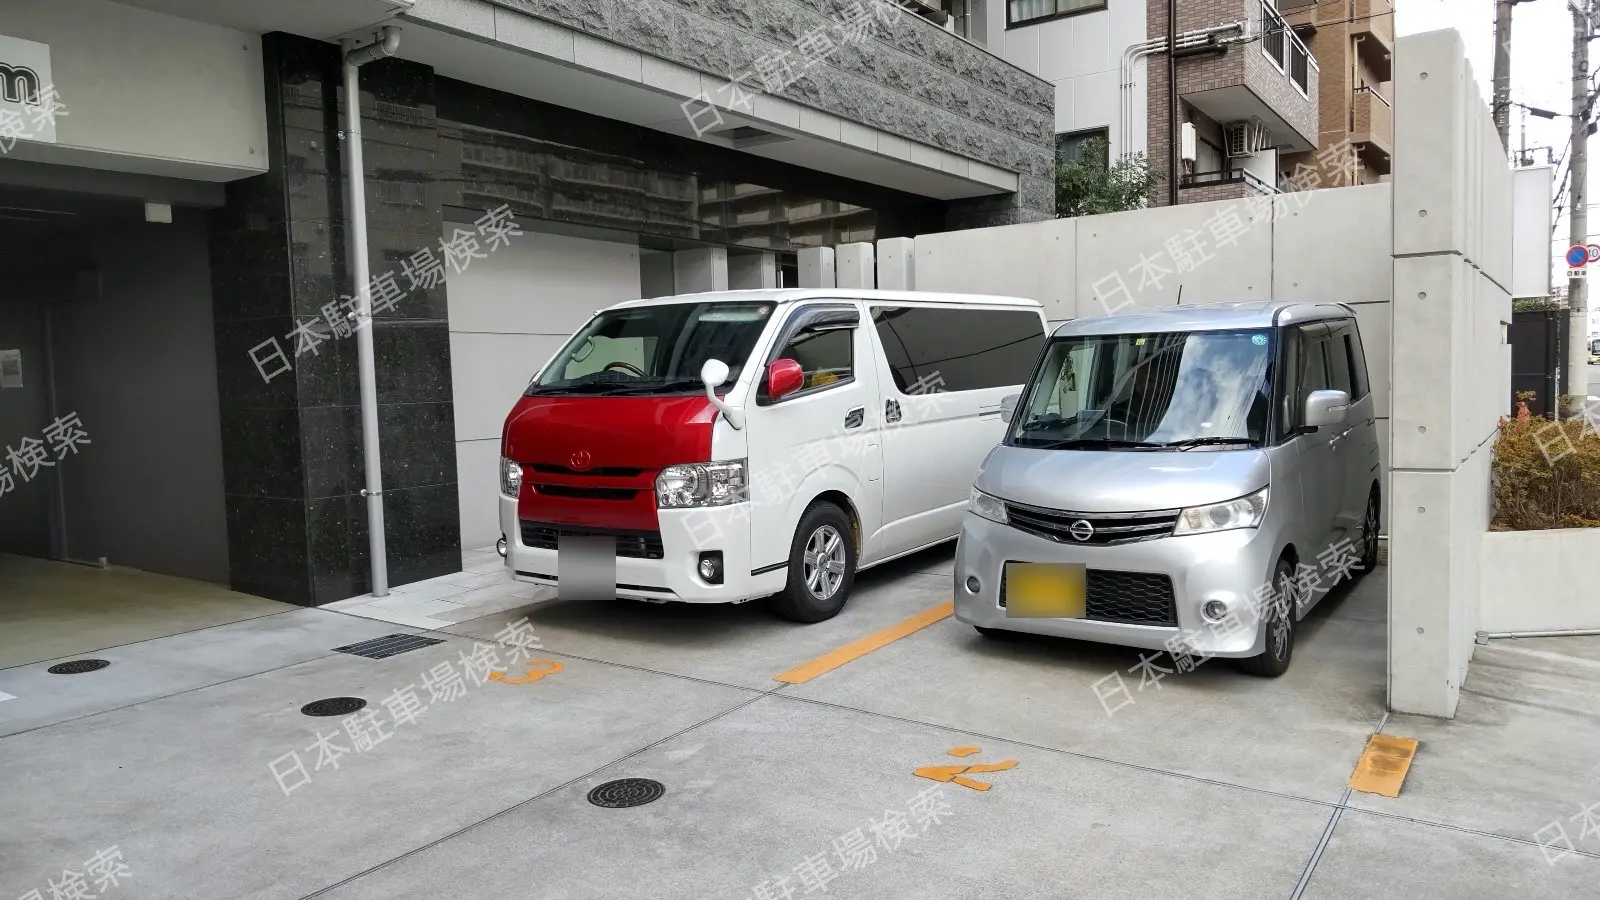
x=1541, y=69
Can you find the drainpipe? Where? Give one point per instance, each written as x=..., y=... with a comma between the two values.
x=1173, y=131
x=1485, y=637
x=354, y=57
x=1131, y=56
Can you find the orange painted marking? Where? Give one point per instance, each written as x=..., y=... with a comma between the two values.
x=826, y=663
x=1383, y=765
x=958, y=774
x=537, y=669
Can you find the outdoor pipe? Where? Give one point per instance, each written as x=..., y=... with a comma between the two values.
x=372, y=459
x=1199, y=37
x=1485, y=637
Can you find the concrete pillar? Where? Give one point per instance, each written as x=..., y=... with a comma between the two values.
x=816, y=267
x=897, y=264
x=855, y=266
x=1452, y=373
x=752, y=271
x=694, y=271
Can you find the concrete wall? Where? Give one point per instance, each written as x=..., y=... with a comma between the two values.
x=1452, y=247
x=508, y=313
x=1539, y=580
x=146, y=92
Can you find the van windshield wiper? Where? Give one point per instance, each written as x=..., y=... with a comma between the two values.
x=671, y=384
x=1082, y=443
x=1208, y=441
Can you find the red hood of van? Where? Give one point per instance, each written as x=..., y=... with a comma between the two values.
x=591, y=452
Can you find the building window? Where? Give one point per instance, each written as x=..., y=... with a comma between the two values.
x=1071, y=144
x=1027, y=12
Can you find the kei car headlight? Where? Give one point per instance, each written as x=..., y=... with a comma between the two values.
x=991, y=508
x=510, y=477
x=1245, y=512
x=701, y=484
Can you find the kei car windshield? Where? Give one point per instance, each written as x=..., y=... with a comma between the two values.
x=1167, y=390
x=657, y=349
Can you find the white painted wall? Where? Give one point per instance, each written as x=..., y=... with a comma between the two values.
x=508, y=313
x=1082, y=56
x=145, y=92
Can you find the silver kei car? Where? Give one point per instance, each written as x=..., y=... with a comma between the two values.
x=1189, y=479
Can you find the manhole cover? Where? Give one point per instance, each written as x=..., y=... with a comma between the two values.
x=625, y=792
x=78, y=666
x=388, y=645
x=333, y=706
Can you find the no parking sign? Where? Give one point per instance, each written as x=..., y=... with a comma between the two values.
x=1578, y=256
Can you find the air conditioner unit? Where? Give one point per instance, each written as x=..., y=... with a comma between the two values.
x=1187, y=148
x=1247, y=138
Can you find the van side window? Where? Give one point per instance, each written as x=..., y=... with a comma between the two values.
x=932, y=349
x=1351, y=337
x=1338, y=362
x=826, y=355
x=1306, y=370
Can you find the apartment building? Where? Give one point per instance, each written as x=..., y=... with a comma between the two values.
x=1263, y=87
x=638, y=148
x=1353, y=41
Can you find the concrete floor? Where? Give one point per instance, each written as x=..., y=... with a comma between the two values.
x=1210, y=785
x=52, y=609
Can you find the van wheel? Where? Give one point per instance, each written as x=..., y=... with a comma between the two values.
x=1278, y=622
x=1369, y=534
x=822, y=566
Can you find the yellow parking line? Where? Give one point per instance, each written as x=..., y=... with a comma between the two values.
x=1383, y=765
x=856, y=649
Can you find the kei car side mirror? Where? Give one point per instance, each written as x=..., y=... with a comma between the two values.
x=1008, y=407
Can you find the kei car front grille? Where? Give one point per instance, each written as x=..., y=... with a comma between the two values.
x=1103, y=528
x=631, y=544
x=1127, y=598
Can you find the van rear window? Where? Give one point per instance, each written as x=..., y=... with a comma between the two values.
x=933, y=349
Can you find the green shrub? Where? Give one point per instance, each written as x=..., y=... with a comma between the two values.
x=1546, y=474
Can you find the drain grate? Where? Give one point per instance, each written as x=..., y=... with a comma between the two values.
x=626, y=792
x=388, y=645
x=334, y=706
x=78, y=666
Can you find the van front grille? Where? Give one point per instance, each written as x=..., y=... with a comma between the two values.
x=1127, y=598
x=1107, y=528
x=597, y=472
x=585, y=493
x=630, y=544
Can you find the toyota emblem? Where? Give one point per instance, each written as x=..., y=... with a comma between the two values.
x=1080, y=530
x=581, y=460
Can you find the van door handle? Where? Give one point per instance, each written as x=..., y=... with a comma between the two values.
x=855, y=417
x=891, y=411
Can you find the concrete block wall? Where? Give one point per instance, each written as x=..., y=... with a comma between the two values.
x=1452, y=249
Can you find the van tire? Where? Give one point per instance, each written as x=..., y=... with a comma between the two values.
x=1279, y=626
x=825, y=528
x=1371, y=522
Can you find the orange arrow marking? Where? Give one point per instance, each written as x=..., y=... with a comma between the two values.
x=537, y=669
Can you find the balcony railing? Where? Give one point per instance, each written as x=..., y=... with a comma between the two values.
x=1285, y=49
x=1372, y=118
x=1227, y=176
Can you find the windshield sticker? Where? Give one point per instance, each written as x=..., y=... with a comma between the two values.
x=733, y=315
x=1260, y=340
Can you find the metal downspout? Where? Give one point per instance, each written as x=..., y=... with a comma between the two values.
x=372, y=459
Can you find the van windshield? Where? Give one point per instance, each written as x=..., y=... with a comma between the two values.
x=658, y=349
x=1166, y=390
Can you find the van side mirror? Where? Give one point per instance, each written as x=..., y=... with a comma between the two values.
x=712, y=375
x=1326, y=408
x=784, y=377
x=1008, y=407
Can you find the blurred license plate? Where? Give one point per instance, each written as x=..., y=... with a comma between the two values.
x=586, y=567
x=1044, y=590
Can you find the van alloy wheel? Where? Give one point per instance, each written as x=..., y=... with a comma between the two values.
x=824, y=562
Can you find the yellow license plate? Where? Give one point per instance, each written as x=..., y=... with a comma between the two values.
x=1044, y=590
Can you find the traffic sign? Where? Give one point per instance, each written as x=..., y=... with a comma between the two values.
x=1577, y=256
x=1594, y=253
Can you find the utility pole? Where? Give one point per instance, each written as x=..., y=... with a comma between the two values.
x=1577, y=379
x=1502, y=71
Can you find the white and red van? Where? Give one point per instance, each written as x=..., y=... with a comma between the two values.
x=727, y=446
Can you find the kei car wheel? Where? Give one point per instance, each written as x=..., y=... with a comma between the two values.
x=1369, y=534
x=1277, y=621
x=822, y=566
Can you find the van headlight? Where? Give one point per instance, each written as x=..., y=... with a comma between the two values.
x=985, y=506
x=701, y=484
x=1245, y=512
x=510, y=478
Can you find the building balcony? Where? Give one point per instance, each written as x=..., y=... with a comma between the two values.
x=1272, y=80
x=1372, y=128
x=1373, y=32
